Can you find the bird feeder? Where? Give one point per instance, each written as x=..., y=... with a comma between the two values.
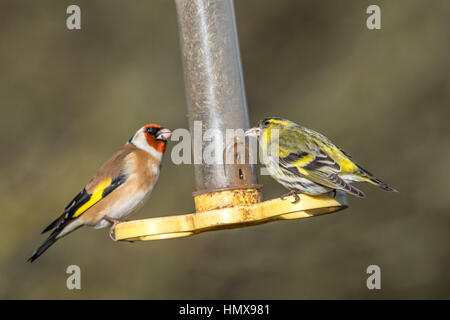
x=226, y=195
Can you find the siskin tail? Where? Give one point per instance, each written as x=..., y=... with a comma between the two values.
x=365, y=175
x=380, y=184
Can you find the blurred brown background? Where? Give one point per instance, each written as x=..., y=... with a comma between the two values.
x=69, y=99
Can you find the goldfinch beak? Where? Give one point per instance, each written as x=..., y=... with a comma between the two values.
x=253, y=132
x=163, y=134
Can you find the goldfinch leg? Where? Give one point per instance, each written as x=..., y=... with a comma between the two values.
x=291, y=193
x=114, y=223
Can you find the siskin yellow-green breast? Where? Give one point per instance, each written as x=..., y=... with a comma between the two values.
x=306, y=161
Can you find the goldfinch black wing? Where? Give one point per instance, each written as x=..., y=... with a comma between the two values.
x=108, y=178
x=82, y=202
x=85, y=200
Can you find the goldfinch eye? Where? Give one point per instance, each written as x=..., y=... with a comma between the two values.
x=266, y=123
x=151, y=130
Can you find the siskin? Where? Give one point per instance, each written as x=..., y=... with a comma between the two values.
x=305, y=161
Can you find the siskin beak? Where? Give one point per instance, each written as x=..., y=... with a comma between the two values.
x=253, y=132
x=163, y=134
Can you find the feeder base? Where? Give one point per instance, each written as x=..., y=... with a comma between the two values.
x=232, y=217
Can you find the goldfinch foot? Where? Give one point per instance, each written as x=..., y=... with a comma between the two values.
x=114, y=223
x=291, y=193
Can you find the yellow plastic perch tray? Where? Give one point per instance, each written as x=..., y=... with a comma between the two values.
x=234, y=217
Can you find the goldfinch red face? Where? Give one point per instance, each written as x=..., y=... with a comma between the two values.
x=151, y=138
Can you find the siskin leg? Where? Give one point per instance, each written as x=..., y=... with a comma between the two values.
x=293, y=192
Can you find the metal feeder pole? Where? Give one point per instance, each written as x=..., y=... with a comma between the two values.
x=215, y=96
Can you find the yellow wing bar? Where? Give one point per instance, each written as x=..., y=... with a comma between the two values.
x=95, y=197
x=225, y=218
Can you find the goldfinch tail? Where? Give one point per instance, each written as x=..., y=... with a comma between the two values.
x=55, y=235
x=47, y=244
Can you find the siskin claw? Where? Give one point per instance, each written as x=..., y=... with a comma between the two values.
x=291, y=193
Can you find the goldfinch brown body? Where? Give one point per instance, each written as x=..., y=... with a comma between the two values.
x=306, y=161
x=120, y=185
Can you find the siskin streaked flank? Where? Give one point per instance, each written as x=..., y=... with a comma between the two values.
x=305, y=161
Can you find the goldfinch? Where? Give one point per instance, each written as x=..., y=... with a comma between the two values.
x=120, y=185
x=305, y=161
